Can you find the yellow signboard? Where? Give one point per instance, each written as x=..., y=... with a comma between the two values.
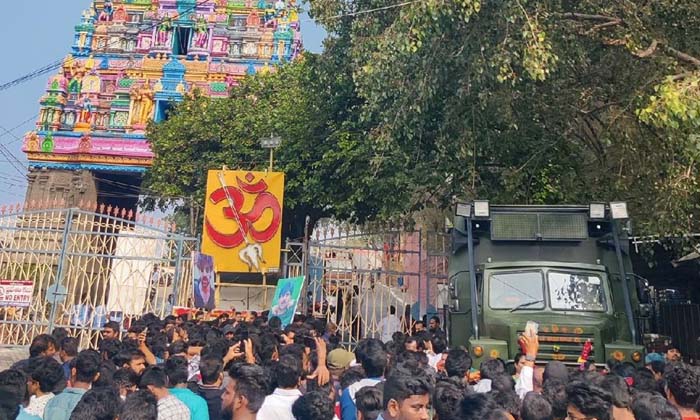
x=243, y=220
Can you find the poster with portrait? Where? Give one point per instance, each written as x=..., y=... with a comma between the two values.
x=284, y=304
x=203, y=281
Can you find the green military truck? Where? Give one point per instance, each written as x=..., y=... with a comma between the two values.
x=563, y=267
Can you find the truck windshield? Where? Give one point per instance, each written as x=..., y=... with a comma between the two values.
x=512, y=289
x=575, y=291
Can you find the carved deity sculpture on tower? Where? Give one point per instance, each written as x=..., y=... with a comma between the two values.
x=202, y=32
x=106, y=14
x=142, y=105
x=164, y=30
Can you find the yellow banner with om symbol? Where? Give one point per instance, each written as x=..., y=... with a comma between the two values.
x=243, y=220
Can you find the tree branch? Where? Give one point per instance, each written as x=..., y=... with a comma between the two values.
x=682, y=56
x=649, y=51
x=583, y=16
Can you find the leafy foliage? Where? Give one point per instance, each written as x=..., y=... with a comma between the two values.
x=416, y=106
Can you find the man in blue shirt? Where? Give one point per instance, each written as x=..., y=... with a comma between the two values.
x=176, y=369
x=373, y=358
x=85, y=371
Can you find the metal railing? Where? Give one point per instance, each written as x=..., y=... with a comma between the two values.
x=88, y=265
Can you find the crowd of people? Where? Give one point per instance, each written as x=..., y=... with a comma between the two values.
x=180, y=369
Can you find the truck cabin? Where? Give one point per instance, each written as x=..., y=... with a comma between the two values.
x=560, y=266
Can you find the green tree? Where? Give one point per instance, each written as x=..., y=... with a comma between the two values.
x=532, y=101
x=414, y=105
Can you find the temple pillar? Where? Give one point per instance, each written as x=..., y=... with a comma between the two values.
x=70, y=186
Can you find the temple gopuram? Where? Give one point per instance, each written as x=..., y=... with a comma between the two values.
x=131, y=61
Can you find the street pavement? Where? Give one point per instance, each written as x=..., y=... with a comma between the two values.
x=11, y=354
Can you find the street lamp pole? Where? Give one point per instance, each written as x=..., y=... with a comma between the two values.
x=271, y=143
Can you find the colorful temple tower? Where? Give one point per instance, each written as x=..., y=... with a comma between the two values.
x=130, y=62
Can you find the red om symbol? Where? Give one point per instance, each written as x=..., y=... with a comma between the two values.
x=263, y=201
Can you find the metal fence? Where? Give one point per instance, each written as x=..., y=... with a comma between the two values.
x=355, y=276
x=87, y=265
x=681, y=322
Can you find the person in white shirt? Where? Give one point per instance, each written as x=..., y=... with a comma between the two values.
x=45, y=373
x=278, y=405
x=524, y=384
x=245, y=393
x=389, y=325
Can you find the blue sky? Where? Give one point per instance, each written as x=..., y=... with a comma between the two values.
x=37, y=33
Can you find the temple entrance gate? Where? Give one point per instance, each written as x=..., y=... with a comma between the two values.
x=86, y=264
x=355, y=276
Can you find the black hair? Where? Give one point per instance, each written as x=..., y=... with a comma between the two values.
x=447, y=398
x=535, y=407
x=288, y=371
x=398, y=337
x=624, y=370
x=13, y=392
x=351, y=375
x=592, y=401
x=555, y=393
x=658, y=366
x=69, y=345
x=87, y=365
x=477, y=406
x=125, y=378
x=109, y=349
x=140, y=405
x=177, y=347
x=154, y=376
x=217, y=347
x=644, y=380
x=439, y=343
x=555, y=370
x=46, y=371
x=368, y=401
x=112, y=325
x=125, y=356
x=252, y=382
x=508, y=400
x=410, y=339
x=97, y=404
x=275, y=323
x=612, y=363
x=372, y=356
x=40, y=344
x=176, y=369
x=503, y=382
x=58, y=334
x=268, y=346
x=458, y=363
x=683, y=384
x=618, y=389
x=210, y=368
x=399, y=387
x=106, y=378
x=491, y=368
x=313, y=405
x=649, y=406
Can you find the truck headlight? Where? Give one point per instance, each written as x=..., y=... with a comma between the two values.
x=637, y=357
x=478, y=351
